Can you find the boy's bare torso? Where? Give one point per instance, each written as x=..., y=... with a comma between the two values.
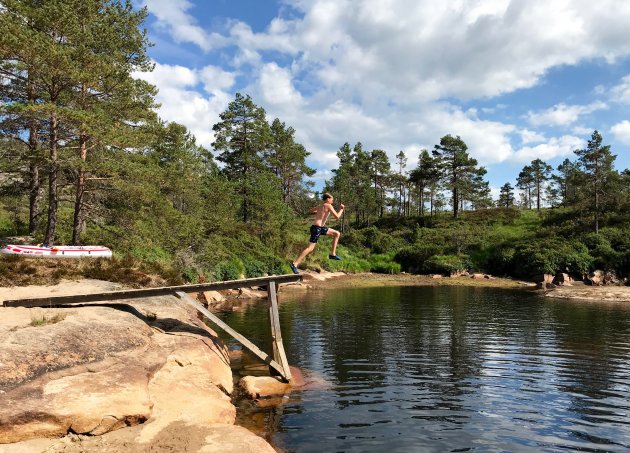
x=321, y=214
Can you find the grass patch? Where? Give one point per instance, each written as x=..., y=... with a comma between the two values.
x=44, y=320
x=20, y=271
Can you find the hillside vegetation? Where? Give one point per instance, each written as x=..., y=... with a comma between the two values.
x=84, y=159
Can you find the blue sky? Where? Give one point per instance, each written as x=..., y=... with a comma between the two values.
x=516, y=79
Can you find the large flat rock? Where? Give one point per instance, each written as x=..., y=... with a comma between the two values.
x=149, y=366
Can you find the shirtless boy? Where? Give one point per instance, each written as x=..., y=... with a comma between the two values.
x=317, y=229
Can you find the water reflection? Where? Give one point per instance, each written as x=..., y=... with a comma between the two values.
x=451, y=369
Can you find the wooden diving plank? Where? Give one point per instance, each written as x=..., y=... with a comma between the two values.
x=276, y=334
x=150, y=292
x=237, y=336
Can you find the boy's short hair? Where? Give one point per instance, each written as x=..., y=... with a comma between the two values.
x=326, y=196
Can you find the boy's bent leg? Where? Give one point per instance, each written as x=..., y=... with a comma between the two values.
x=335, y=234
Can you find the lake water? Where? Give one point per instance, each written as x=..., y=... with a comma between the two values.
x=411, y=369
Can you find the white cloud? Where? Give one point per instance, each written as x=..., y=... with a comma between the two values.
x=172, y=16
x=562, y=114
x=555, y=147
x=276, y=87
x=621, y=92
x=528, y=136
x=582, y=130
x=621, y=131
x=381, y=71
x=422, y=49
x=182, y=102
x=216, y=79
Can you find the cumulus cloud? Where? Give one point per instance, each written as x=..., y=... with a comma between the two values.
x=172, y=16
x=621, y=92
x=276, y=87
x=621, y=131
x=528, y=136
x=390, y=73
x=554, y=147
x=562, y=114
x=422, y=49
x=183, y=102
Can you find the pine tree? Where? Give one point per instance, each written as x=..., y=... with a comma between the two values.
x=424, y=176
x=596, y=162
x=400, y=181
x=77, y=57
x=287, y=160
x=456, y=167
x=379, y=169
x=540, y=174
x=567, y=182
x=506, y=196
x=525, y=182
x=243, y=136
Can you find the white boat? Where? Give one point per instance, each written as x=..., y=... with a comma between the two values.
x=57, y=251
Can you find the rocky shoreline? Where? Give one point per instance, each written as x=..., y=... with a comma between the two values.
x=71, y=378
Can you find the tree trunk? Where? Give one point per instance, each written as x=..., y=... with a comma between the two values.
x=33, y=168
x=455, y=202
x=53, y=197
x=77, y=222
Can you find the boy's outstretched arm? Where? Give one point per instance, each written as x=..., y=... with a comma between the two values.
x=336, y=214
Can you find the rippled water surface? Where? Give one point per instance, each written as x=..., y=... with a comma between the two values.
x=449, y=369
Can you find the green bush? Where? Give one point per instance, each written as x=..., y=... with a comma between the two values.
x=155, y=255
x=446, y=264
x=353, y=239
x=274, y=265
x=411, y=259
x=549, y=256
x=355, y=265
x=371, y=238
x=229, y=270
x=497, y=260
x=599, y=247
x=254, y=268
x=384, y=264
x=191, y=275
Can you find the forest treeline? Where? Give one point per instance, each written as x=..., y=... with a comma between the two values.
x=85, y=159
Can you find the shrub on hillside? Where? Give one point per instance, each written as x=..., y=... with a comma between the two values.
x=549, y=256
x=446, y=264
x=229, y=270
x=411, y=259
x=497, y=260
x=384, y=264
x=371, y=238
x=254, y=268
x=506, y=216
x=274, y=265
x=599, y=247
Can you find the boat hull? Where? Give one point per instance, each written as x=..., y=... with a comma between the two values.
x=58, y=251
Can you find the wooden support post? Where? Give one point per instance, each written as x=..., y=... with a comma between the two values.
x=276, y=334
x=237, y=336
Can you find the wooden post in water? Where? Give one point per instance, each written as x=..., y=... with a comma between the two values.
x=276, y=334
x=273, y=364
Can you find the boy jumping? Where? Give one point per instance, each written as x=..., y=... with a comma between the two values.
x=317, y=229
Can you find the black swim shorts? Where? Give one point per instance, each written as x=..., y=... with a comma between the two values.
x=316, y=232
